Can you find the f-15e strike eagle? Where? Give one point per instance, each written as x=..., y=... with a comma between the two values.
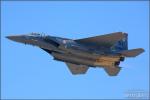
x=104, y=51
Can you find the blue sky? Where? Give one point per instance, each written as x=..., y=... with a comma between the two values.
x=28, y=72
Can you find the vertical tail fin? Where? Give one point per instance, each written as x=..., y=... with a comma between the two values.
x=121, y=44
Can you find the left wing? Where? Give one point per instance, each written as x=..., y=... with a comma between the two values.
x=77, y=69
x=103, y=40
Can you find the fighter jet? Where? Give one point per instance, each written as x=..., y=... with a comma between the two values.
x=104, y=51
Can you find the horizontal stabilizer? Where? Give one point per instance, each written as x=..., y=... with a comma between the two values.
x=112, y=71
x=77, y=69
x=132, y=52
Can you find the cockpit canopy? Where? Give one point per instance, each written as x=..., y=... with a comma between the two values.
x=37, y=34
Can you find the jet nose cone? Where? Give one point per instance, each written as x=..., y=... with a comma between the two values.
x=11, y=37
x=16, y=38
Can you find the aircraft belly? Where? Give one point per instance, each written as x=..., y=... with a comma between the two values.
x=78, y=52
x=73, y=59
x=101, y=61
x=108, y=58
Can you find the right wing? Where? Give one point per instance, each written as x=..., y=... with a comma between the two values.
x=77, y=69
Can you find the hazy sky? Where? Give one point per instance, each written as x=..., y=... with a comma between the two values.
x=29, y=72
